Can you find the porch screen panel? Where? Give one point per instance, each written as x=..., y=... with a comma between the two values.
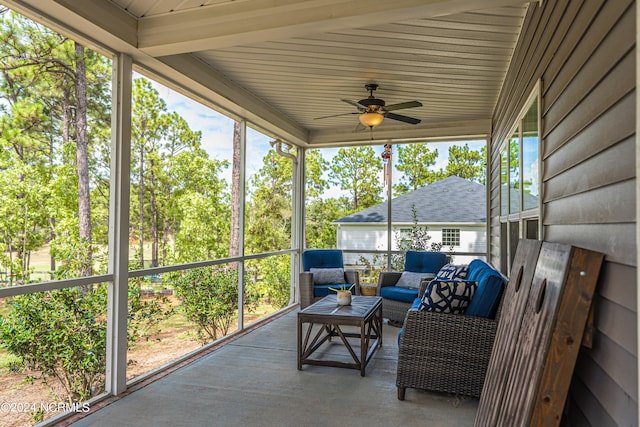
x=530, y=158
x=514, y=173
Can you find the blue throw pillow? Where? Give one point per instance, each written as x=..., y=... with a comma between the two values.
x=448, y=296
x=453, y=272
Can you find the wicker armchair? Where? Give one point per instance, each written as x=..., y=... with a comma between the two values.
x=310, y=291
x=397, y=300
x=395, y=310
x=450, y=352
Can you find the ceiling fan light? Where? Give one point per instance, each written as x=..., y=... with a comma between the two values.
x=371, y=119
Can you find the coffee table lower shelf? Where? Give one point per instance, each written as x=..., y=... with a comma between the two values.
x=364, y=312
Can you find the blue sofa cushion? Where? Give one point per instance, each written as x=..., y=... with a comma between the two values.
x=327, y=276
x=399, y=294
x=409, y=279
x=322, y=258
x=453, y=272
x=476, y=267
x=490, y=287
x=448, y=296
x=323, y=290
x=424, y=261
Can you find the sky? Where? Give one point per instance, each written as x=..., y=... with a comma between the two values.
x=217, y=134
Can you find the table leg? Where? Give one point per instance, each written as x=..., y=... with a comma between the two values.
x=363, y=348
x=299, y=344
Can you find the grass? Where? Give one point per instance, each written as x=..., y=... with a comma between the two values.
x=40, y=261
x=9, y=363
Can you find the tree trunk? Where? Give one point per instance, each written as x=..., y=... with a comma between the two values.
x=82, y=159
x=165, y=242
x=234, y=241
x=153, y=213
x=67, y=121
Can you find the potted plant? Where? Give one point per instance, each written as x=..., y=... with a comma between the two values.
x=343, y=294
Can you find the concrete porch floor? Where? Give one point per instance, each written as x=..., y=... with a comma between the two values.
x=254, y=381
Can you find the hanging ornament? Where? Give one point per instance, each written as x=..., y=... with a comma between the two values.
x=386, y=158
x=386, y=154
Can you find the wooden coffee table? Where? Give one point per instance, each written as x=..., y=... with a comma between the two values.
x=364, y=312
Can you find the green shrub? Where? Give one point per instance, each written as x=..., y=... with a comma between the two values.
x=269, y=281
x=62, y=335
x=209, y=298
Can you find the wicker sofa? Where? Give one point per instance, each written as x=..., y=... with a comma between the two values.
x=450, y=352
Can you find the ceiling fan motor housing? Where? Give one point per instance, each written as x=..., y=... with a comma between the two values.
x=372, y=104
x=368, y=102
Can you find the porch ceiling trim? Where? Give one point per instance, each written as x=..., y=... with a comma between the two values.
x=436, y=131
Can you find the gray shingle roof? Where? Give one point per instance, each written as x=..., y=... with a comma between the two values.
x=450, y=200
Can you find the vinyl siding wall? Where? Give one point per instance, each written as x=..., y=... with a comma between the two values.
x=473, y=238
x=583, y=53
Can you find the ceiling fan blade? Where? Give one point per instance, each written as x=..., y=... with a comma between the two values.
x=409, y=104
x=333, y=115
x=359, y=106
x=402, y=118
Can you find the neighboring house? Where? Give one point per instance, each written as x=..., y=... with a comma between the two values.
x=453, y=210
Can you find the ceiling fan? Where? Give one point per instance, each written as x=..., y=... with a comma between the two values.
x=372, y=111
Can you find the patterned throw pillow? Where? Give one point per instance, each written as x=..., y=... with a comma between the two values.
x=448, y=296
x=412, y=280
x=453, y=272
x=327, y=276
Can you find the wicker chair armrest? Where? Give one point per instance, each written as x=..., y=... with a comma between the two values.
x=388, y=278
x=423, y=286
x=429, y=330
x=306, y=289
x=353, y=277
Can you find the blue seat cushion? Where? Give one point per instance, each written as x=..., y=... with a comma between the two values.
x=399, y=294
x=487, y=296
x=323, y=290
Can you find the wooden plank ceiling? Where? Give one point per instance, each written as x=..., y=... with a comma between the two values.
x=282, y=64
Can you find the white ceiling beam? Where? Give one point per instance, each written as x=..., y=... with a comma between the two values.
x=100, y=24
x=252, y=21
x=107, y=16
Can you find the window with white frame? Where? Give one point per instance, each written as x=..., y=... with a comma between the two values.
x=520, y=182
x=450, y=237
